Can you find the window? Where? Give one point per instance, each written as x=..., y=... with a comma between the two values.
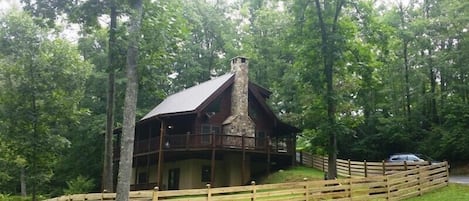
x=253, y=113
x=260, y=139
x=214, y=106
x=206, y=132
x=142, y=178
x=206, y=173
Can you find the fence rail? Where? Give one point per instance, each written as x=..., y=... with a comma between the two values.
x=412, y=182
x=348, y=168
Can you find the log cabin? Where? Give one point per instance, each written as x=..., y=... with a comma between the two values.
x=220, y=132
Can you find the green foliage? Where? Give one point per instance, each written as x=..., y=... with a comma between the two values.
x=7, y=197
x=79, y=185
x=44, y=83
x=206, y=36
x=164, y=30
x=381, y=106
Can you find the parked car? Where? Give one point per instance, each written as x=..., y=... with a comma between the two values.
x=410, y=157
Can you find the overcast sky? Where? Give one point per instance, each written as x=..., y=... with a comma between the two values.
x=9, y=4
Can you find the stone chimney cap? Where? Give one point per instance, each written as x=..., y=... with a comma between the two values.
x=239, y=59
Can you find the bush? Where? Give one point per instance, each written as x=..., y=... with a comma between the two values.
x=79, y=185
x=7, y=197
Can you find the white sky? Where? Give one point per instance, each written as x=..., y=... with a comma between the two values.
x=6, y=5
x=71, y=30
x=9, y=4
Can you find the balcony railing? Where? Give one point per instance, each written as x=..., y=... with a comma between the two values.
x=209, y=141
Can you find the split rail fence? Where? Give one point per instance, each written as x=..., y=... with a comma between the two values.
x=348, y=168
x=399, y=185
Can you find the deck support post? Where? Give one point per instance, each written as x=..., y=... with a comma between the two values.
x=243, y=160
x=136, y=172
x=160, y=155
x=268, y=154
x=293, y=150
x=212, y=171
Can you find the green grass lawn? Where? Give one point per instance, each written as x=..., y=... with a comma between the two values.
x=456, y=192
x=293, y=174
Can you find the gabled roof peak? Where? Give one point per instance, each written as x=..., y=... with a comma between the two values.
x=190, y=99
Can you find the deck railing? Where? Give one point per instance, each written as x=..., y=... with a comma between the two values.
x=209, y=141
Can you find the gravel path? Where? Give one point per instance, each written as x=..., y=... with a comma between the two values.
x=460, y=179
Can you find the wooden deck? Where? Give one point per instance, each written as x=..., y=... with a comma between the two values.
x=193, y=142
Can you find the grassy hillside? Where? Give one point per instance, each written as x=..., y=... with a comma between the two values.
x=454, y=192
x=293, y=174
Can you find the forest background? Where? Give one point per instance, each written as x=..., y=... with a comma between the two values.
x=379, y=76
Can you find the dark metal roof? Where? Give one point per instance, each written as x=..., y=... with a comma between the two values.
x=189, y=99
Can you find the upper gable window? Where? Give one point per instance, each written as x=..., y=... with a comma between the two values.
x=253, y=112
x=214, y=106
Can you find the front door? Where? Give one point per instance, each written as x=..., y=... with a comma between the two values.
x=173, y=179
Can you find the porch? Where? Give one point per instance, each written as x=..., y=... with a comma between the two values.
x=187, y=142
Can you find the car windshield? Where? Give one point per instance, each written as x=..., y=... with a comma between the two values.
x=408, y=157
x=424, y=157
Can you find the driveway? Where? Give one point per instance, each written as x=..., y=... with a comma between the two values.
x=460, y=179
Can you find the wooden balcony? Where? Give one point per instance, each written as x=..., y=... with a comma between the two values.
x=192, y=142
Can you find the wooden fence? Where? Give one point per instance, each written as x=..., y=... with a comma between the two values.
x=397, y=186
x=348, y=168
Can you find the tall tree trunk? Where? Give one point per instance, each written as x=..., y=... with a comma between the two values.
x=23, y=182
x=130, y=104
x=328, y=51
x=405, y=56
x=34, y=111
x=108, y=145
x=432, y=76
x=406, y=76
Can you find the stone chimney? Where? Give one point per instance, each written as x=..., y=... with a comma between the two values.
x=239, y=122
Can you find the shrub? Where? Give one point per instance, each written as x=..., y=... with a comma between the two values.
x=79, y=185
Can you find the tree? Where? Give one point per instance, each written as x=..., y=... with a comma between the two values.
x=199, y=58
x=130, y=104
x=108, y=178
x=329, y=50
x=87, y=13
x=44, y=83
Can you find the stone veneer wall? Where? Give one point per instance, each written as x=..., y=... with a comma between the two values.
x=239, y=123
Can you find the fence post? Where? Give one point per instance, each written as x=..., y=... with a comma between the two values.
x=349, y=169
x=155, y=193
x=301, y=157
x=405, y=165
x=253, y=191
x=384, y=167
x=366, y=169
x=323, y=163
x=102, y=194
x=447, y=172
x=312, y=160
x=209, y=193
x=419, y=180
x=350, y=188
x=313, y=157
x=388, y=188
x=306, y=187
